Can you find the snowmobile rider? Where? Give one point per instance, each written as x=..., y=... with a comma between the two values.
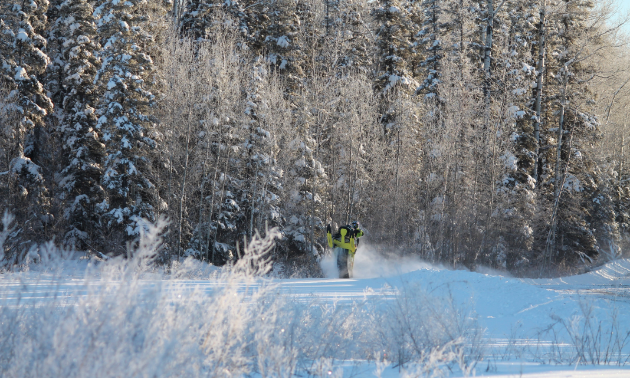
x=345, y=244
x=347, y=237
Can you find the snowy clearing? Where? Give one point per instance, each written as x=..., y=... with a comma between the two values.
x=352, y=327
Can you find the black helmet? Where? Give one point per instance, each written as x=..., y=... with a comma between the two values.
x=355, y=224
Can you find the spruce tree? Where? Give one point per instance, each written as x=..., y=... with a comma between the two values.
x=125, y=78
x=22, y=59
x=348, y=36
x=580, y=218
x=396, y=49
x=263, y=174
x=200, y=17
x=282, y=44
x=304, y=186
x=83, y=149
x=225, y=223
x=517, y=186
x=54, y=77
x=430, y=38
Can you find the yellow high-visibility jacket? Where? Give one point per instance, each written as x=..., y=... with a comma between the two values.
x=344, y=242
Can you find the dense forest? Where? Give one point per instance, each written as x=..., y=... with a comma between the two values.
x=465, y=132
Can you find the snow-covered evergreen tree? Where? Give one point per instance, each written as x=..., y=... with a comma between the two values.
x=53, y=77
x=243, y=183
x=304, y=185
x=224, y=224
x=515, y=69
x=396, y=50
x=202, y=16
x=348, y=36
x=263, y=174
x=22, y=59
x=125, y=78
x=622, y=201
x=281, y=42
x=83, y=149
x=580, y=218
x=430, y=38
x=342, y=45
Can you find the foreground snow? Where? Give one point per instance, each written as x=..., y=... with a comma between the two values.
x=533, y=327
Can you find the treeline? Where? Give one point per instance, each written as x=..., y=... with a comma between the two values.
x=466, y=132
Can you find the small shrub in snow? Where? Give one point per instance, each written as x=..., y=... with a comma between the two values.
x=588, y=339
x=427, y=332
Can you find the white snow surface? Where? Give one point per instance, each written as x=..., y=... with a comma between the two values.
x=511, y=310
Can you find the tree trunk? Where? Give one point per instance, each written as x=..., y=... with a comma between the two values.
x=540, y=67
x=253, y=206
x=560, y=132
x=397, y=182
x=206, y=244
x=558, y=183
x=183, y=190
x=216, y=232
x=312, y=236
x=487, y=53
x=621, y=160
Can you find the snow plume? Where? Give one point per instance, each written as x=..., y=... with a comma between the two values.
x=328, y=263
x=371, y=262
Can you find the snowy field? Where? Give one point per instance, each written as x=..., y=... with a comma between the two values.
x=396, y=318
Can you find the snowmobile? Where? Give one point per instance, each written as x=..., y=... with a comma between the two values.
x=344, y=244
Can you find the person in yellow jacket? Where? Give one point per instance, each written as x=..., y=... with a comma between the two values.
x=345, y=243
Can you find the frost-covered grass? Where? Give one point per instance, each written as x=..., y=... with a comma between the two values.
x=64, y=316
x=586, y=338
x=131, y=320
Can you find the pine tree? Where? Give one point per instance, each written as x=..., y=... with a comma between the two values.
x=125, y=77
x=281, y=42
x=22, y=59
x=54, y=77
x=349, y=34
x=244, y=180
x=395, y=47
x=458, y=15
x=430, y=38
x=395, y=59
x=197, y=19
x=230, y=224
x=263, y=175
x=304, y=187
x=83, y=149
x=517, y=186
x=202, y=16
x=581, y=217
x=621, y=185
